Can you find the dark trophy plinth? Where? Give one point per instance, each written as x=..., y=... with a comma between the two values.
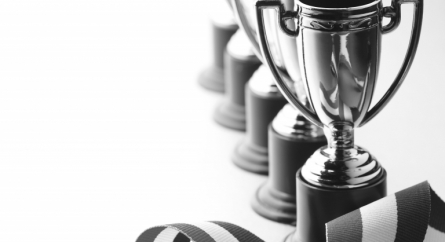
x=289, y=148
x=223, y=28
x=316, y=206
x=240, y=64
x=263, y=101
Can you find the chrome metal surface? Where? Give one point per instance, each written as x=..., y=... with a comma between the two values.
x=278, y=72
x=341, y=164
x=410, y=54
x=244, y=12
x=338, y=52
x=290, y=123
x=339, y=55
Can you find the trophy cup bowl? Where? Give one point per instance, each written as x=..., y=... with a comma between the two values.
x=291, y=138
x=338, y=45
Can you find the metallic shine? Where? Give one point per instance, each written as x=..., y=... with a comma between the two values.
x=290, y=123
x=245, y=14
x=339, y=70
x=338, y=55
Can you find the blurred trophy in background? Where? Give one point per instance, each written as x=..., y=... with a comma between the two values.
x=291, y=138
x=223, y=27
x=339, y=45
x=239, y=65
x=263, y=101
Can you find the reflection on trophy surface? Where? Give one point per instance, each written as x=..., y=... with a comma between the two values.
x=338, y=45
x=291, y=137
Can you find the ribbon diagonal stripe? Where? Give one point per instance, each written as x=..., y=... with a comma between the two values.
x=201, y=232
x=415, y=214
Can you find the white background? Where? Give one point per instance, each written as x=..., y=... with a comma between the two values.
x=104, y=131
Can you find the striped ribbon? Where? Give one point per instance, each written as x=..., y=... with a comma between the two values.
x=201, y=232
x=415, y=214
x=412, y=215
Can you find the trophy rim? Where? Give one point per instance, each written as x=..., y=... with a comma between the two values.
x=304, y=5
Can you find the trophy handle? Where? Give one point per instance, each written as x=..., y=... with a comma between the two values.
x=264, y=46
x=394, y=13
x=238, y=8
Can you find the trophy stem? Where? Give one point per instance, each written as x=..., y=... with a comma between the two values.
x=340, y=135
x=341, y=164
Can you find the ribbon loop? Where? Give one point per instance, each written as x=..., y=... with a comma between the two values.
x=202, y=232
x=415, y=214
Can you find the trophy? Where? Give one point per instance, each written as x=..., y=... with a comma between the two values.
x=239, y=65
x=263, y=101
x=290, y=139
x=338, y=45
x=223, y=27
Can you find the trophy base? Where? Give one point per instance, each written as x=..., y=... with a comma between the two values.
x=316, y=206
x=223, y=29
x=275, y=200
x=251, y=157
x=212, y=79
x=274, y=205
x=231, y=116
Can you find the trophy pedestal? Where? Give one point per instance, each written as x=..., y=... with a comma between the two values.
x=316, y=206
x=263, y=101
x=239, y=65
x=223, y=28
x=212, y=78
x=275, y=200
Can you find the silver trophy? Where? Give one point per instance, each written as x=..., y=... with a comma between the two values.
x=291, y=138
x=338, y=50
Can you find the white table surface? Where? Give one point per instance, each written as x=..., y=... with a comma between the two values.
x=104, y=131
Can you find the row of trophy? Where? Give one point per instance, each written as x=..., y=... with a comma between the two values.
x=320, y=60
